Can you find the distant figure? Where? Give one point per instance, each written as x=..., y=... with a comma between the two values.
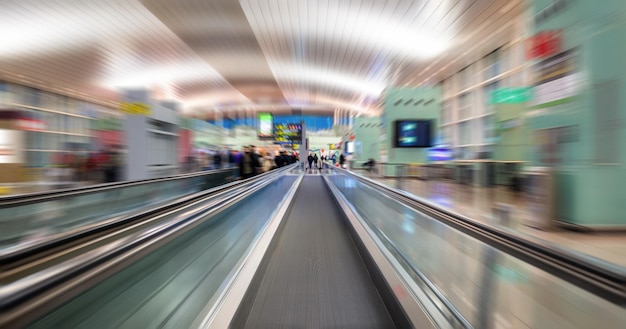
x=316, y=160
x=310, y=161
x=333, y=158
x=342, y=160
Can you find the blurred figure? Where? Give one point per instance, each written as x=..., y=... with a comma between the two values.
x=257, y=160
x=280, y=160
x=93, y=169
x=342, y=160
x=232, y=161
x=316, y=161
x=217, y=160
x=370, y=165
x=268, y=162
x=109, y=166
x=247, y=164
x=310, y=161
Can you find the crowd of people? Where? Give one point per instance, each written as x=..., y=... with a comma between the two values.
x=102, y=166
x=249, y=161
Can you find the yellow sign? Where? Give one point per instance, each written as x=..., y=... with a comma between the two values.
x=135, y=108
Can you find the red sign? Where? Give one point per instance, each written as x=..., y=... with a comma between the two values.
x=31, y=125
x=352, y=137
x=544, y=44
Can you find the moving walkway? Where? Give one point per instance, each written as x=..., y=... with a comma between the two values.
x=336, y=250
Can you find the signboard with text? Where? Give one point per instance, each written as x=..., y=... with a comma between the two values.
x=511, y=95
x=135, y=108
x=289, y=133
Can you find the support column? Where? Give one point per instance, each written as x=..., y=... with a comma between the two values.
x=135, y=166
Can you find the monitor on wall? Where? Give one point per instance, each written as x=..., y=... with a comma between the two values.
x=413, y=133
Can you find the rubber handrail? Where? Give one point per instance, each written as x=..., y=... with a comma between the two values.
x=23, y=199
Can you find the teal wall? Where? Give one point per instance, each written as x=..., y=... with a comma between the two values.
x=514, y=143
x=367, y=133
x=589, y=192
x=428, y=108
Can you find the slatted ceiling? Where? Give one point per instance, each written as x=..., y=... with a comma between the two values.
x=108, y=30
x=480, y=27
x=480, y=17
x=230, y=47
x=309, y=53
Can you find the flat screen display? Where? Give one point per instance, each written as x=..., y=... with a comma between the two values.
x=413, y=133
x=266, y=126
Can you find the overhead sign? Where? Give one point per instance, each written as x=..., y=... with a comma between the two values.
x=511, y=95
x=290, y=133
x=135, y=108
x=265, y=130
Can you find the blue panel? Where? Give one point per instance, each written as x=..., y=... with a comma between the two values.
x=312, y=122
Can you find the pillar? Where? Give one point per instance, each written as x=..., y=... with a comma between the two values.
x=136, y=139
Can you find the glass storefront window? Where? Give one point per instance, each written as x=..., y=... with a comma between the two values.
x=464, y=133
x=487, y=90
x=465, y=106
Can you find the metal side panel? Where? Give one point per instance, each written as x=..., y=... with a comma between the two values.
x=314, y=276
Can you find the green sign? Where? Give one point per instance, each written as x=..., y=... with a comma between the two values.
x=510, y=95
x=266, y=126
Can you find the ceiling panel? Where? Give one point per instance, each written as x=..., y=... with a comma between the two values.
x=232, y=55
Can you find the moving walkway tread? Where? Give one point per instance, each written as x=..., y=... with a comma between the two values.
x=314, y=276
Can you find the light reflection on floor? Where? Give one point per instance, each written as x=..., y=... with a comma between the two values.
x=477, y=203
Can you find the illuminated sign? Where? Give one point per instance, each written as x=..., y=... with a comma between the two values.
x=289, y=133
x=440, y=154
x=265, y=129
x=544, y=44
x=135, y=108
x=510, y=95
x=10, y=143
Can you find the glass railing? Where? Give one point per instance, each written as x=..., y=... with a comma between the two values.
x=490, y=288
x=176, y=283
x=34, y=218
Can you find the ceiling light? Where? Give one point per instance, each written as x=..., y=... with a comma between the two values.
x=333, y=79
